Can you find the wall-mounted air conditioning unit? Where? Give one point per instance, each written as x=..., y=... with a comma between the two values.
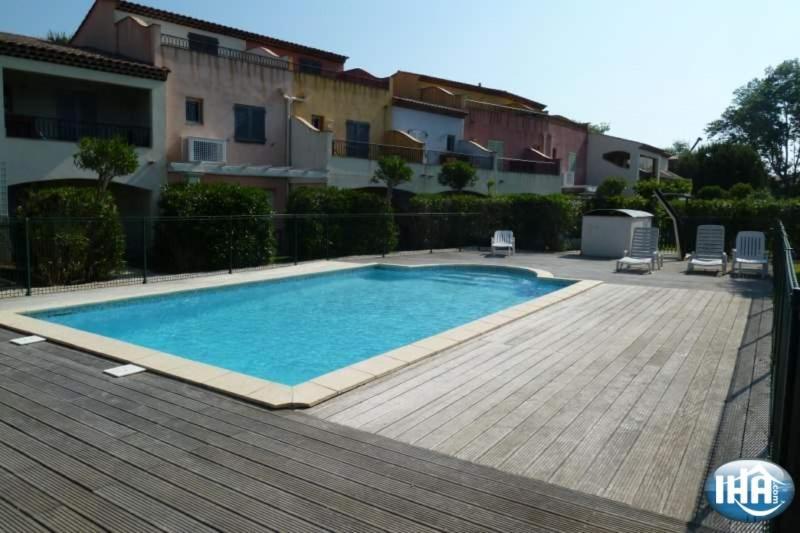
x=205, y=150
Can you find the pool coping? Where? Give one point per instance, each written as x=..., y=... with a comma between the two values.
x=259, y=390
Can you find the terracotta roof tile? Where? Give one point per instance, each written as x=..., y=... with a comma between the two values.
x=39, y=50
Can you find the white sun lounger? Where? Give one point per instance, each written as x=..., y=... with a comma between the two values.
x=751, y=251
x=643, y=251
x=503, y=240
x=709, y=249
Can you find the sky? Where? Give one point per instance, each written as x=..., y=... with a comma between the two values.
x=656, y=71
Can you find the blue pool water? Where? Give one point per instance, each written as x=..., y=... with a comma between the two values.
x=296, y=329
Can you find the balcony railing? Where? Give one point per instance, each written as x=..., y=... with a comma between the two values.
x=221, y=51
x=362, y=150
x=436, y=157
x=56, y=129
x=527, y=166
x=272, y=62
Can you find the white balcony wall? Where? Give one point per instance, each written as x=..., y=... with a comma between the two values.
x=430, y=128
x=354, y=173
x=311, y=148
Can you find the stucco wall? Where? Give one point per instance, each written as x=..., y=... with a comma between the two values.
x=29, y=160
x=221, y=83
x=311, y=148
x=339, y=101
x=520, y=130
x=599, y=169
x=352, y=173
x=431, y=128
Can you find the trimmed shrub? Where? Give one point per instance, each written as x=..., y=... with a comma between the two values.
x=740, y=191
x=611, y=186
x=75, y=235
x=213, y=226
x=538, y=222
x=711, y=192
x=646, y=188
x=343, y=225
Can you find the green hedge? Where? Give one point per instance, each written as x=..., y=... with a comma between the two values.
x=335, y=235
x=538, y=222
x=213, y=233
x=75, y=235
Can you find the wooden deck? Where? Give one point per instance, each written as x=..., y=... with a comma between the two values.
x=80, y=451
x=617, y=392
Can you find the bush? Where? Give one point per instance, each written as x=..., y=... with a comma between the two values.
x=227, y=225
x=712, y=192
x=741, y=191
x=75, y=235
x=538, y=222
x=612, y=186
x=336, y=235
x=458, y=175
x=646, y=188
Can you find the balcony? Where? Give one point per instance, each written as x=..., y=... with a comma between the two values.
x=213, y=49
x=361, y=150
x=55, y=129
x=527, y=166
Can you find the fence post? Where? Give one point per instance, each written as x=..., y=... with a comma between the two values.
x=325, y=230
x=230, y=245
x=460, y=231
x=430, y=240
x=144, y=249
x=27, y=257
x=295, y=239
x=385, y=242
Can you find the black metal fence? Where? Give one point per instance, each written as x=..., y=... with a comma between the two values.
x=46, y=255
x=56, y=129
x=785, y=398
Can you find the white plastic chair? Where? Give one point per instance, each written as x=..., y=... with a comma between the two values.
x=643, y=251
x=503, y=240
x=751, y=250
x=709, y=249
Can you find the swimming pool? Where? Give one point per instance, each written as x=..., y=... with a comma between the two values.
x=294, y=329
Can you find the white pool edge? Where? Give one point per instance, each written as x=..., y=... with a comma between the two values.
x=262, y=391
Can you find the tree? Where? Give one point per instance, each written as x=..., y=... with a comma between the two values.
x=393, y=171
x=458, y=175
x=58, y=37
x=723, y=164
x=765, y=114
x=600, y=127
x=108, y=158
x=679, y=147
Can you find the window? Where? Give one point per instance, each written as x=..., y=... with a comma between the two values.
x=203, y=43
x=451, y=143
x=310, y=66
x=619, y=158
x=194, y=110
x=555, y=154
x=249, y=124
x=318, y=121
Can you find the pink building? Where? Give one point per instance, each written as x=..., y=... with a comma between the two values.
x=229, y=93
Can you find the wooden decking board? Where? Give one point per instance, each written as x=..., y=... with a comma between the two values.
x=533, y=374
x=696, y=456
x=612, y=407
x=574, y=464
x=562, y=409
x=585, y=423
x=629, y=476
x=390, y=488
x=603, y=467
x=507, y=438
x=384, y=392
x=505, y=378
x=166, y=400
x=13, y=521
x=470, y=440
